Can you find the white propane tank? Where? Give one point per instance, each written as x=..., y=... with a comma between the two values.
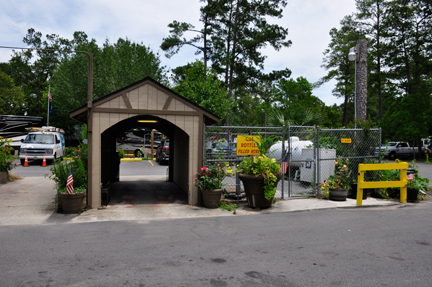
x=275, y=151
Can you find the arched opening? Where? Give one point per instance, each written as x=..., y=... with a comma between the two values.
x=147, y=188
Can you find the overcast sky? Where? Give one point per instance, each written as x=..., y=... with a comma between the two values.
x=144, y=21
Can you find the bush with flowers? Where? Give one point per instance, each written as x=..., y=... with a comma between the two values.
x=6, y=156
x=211, y=176
x=340, y=179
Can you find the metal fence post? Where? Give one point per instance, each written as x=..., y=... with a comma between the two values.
x=318, y=186
x=283, y=157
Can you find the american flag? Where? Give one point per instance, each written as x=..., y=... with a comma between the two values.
x=284, y=164
x=50, y=107
x=410, y=176
x=69, y=184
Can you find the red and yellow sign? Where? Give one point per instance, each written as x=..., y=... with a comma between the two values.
x=247, y=146
x=345, y=140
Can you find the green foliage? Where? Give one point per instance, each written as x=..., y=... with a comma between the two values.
x=204, y=88
x=263, y=166
x=264, y=144
x=212, y=176
x=6, y=156
x=60, y=174
x=228, y=206
x=121, y=152
x=11, y=96
x=341, y=178
x=233, y=35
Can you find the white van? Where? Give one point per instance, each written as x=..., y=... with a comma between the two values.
x=47, y=142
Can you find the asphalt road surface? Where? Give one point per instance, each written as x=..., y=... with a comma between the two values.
x=127, y=168
x=343, y=247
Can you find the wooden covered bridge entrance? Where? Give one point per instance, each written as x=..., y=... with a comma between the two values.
x=149, y=104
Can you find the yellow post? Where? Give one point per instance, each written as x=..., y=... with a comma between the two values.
x=403, y=189
x=360, y=182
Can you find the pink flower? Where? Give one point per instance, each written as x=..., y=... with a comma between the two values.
x=203, y=168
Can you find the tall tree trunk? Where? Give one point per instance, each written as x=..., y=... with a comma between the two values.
x=361, y=80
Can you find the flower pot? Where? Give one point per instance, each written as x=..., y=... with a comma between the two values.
x=412, y=194
x=254, y=189
x=71, y=203
x=338, y=194
x=4, y=176
x=211, y=198
x=353, y=191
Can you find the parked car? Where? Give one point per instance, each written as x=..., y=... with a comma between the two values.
x=162, y=152
x=394, y=150
x=221, y=148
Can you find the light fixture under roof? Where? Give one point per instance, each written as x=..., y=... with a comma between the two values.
x=147, y=121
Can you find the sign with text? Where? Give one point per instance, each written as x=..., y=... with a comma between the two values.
x=345, y=140
x=247, y=146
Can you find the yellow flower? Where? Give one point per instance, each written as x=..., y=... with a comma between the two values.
x=344, y=166
x=336, y=162
x=397, y=160
x=226, y=164
x=229, y=170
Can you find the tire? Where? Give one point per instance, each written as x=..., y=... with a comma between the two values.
x=22, y=161
x=392, y=155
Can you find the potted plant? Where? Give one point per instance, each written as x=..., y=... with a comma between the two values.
x=260, y=176
x=70, y=202
x=416, y=184
x=6, y=159
x=353, y=190
x=209, y=181
x=338, y=184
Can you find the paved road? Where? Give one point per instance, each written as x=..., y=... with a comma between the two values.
x=127, y=168
x=362, y=247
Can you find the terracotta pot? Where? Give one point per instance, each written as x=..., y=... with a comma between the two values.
x=4, y=176
x=71, y=203
x=211, y=198
x=338, y=194
x=254, y=189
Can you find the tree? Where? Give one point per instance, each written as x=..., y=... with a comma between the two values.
x=31, y=70
x=234, y=32
x=409, y=62
x=337, y=62
x=204, y=88
x=11, y=96
x=371, y=14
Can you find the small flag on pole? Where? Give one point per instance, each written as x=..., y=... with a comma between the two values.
x=69, y=184
x=410, y=176
x=284, y=164
x=50, y=107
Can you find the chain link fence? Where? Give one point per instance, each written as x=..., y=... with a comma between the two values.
x=353, y=146
x=311, y=153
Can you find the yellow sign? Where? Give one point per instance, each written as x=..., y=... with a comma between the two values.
x=345, y=140
x=247, y=146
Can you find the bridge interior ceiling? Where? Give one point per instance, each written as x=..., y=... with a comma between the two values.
x=161, y=125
